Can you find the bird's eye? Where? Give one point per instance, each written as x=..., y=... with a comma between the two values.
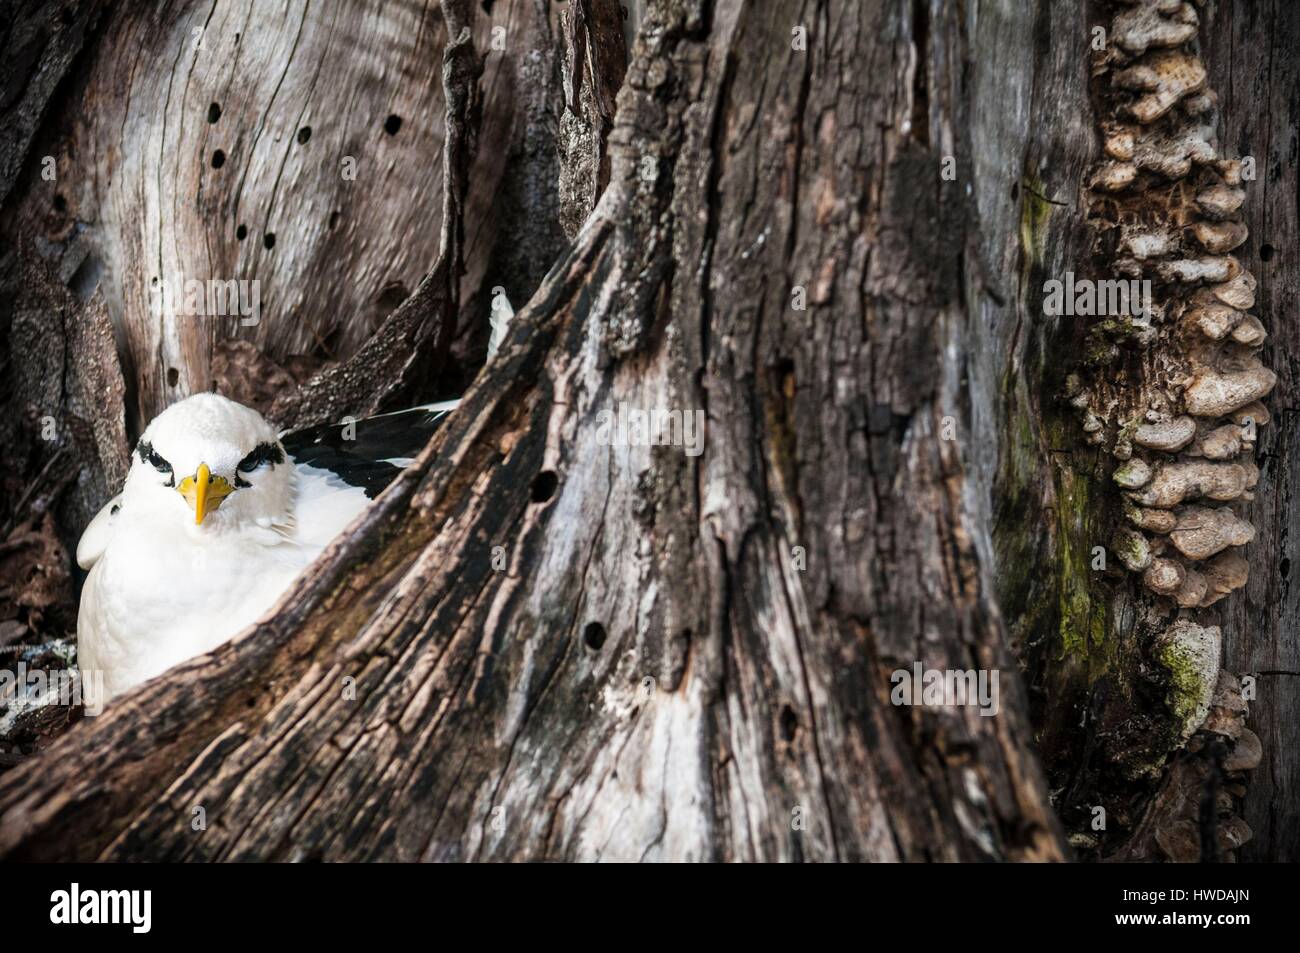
x=151, y=456
x=261, y=455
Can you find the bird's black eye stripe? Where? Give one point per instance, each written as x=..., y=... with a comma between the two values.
x=262, y=453
x=151, y=457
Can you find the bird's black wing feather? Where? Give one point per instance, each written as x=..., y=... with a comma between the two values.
x=371, y=458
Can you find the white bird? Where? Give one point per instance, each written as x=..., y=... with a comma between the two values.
x=216, y=518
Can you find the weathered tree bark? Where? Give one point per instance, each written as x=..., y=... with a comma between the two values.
x=40, y=46
x=546, y=643
x=411, y=347
x=300, y=150
x=652, y=672
x=1259, y=94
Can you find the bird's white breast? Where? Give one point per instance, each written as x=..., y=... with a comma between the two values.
x=155, y=599
x=165, y=590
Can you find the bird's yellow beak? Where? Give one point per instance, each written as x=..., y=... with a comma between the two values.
x=203, y=492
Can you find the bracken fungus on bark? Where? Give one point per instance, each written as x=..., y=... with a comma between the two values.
x=1174, y=393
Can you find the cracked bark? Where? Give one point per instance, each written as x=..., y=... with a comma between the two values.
x=1259, y=92
x=651, y=674
x=411, y=347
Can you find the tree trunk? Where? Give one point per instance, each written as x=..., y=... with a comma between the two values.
x=1259, y=88
x=822, y=231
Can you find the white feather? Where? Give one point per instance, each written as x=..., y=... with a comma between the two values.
x=94, y=540
x=499, y=319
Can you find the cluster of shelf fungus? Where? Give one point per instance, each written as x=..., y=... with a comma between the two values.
x=1171, y=207
x=1175, y=393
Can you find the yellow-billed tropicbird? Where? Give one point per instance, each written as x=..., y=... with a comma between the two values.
x=216, y=518
x=218, y=515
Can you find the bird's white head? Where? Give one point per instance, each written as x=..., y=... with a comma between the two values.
x=213, y=465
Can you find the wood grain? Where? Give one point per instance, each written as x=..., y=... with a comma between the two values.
x=1259, y=91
